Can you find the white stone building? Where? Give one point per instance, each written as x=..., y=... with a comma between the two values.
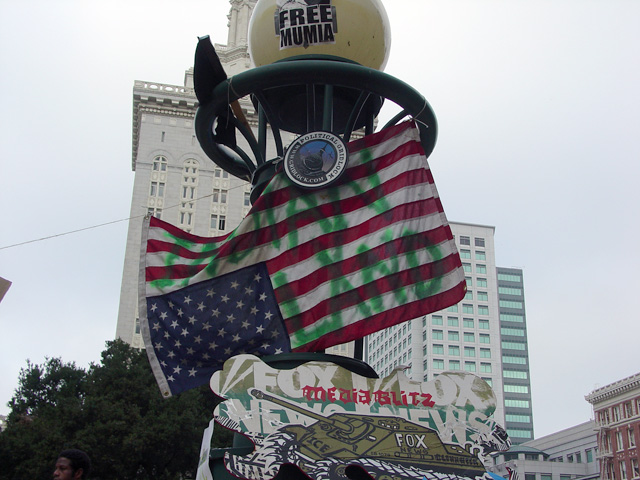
x=569, y=454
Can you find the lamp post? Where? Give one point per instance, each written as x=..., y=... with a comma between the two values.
x=317, y=67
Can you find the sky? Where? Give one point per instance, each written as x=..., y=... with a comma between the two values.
x=538, y=109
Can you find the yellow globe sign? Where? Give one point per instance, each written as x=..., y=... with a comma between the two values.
x=357, y=30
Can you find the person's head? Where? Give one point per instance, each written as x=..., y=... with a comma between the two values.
x=72, y=465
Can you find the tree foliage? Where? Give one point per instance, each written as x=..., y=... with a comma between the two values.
x=113, y=411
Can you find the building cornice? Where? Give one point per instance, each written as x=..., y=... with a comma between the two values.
x=614, y=389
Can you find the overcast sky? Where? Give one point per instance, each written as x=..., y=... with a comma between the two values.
x=538, y=104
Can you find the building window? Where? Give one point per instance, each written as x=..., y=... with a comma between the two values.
x=468, y=323
x=465, y=253
x=156, y=212
x=453, y=336
x=514, y=332
x=506, y=277
x=469, y=337
x=186, y=218
x=623, y=470
x=510, y=291
x=514, y=359
x=437, y=334
x=438, y=349
x=453, y=308
x=516, y=403
x=514, y=346
x=454, y=364
x=509, y=317
x=483, y=310
x=469, y=281
x=518, y=418
x=247, y=199
x=465, y=240
x=628, y=410
x=466, y=267
x=616, y=413
x=467, y=308
x=511, y=304
x=485, y=367
x=619, y=443
x=514, y=374
x=470, y=366
x=438, y=364
x=483, y=324
x=468, y=295
x=516, y=389
x=481, y=255
x=529, y=476
x=159, y=164
x=483, y=296
x=479, y=242
x=218, y=173
x=485, y=353
x=454, y=350
x=481, y=282
x=469, y=351
x=219, y=196
x=452, y=321
x=589, y=453
x=481, y=268
x=157, y=189
x=632, y=438
x=218, y=222
x=436, y=320
x=634, y=468
x=484, y=338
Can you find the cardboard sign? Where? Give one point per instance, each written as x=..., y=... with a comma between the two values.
x=325, y=420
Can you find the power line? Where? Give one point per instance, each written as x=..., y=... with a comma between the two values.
x=107, y=223
x=68, y=233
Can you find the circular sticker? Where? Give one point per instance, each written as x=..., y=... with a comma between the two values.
x=316, y=159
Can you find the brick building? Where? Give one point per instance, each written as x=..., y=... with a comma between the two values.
x=616, y=409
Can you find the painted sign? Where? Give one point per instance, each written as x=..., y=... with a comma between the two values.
x=326, y=420
x=303, y=23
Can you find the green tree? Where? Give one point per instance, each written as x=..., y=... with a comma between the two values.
x=113, y=411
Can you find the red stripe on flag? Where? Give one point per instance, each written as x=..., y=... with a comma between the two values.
x=173, y=272
x=359, y=296
x=330, y=240
x=361, y=261
x=386, y=319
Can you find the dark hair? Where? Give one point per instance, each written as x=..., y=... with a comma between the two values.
x=78, y=459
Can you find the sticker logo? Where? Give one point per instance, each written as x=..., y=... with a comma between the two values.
x=303, y=23
x=316, y=159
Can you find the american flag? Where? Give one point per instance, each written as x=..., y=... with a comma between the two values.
x=334, y=265
x=192, y=331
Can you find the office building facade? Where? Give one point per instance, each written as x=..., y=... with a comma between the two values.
x=515, y=355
